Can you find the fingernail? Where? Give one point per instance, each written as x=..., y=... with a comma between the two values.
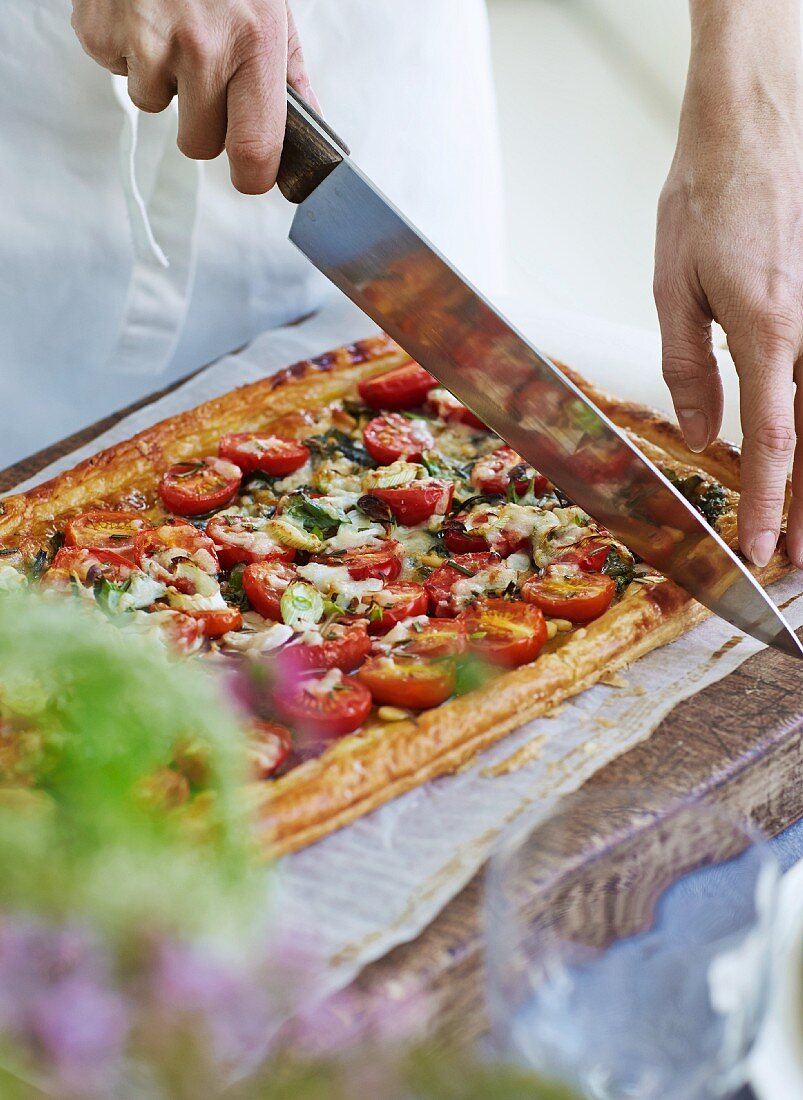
x=762, y=548
x=694, y=425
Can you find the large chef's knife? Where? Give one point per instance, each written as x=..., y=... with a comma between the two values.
x=357, y=238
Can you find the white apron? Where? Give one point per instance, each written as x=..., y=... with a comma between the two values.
x=124, y=266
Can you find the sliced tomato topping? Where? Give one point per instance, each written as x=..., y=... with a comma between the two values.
x=194, y=488
x=414, y=503
x=389, y=438
x=264, y=584
x=437, y=638
x=381, y=562
x=462, y=540
x=590, y=553
x=88, y=566
x=342, y=645
x=402, y=600
x=401, y=681
x=240, y=538
x=446, y=406
x=440, y=584
x=403, y=387
x=181, y=630
x=320, y=710
x=272, y=454
x=494, y=473
x=215, y=623
x=600, y=462
x=505, y=632
x=172, y=552
x=269, y=745
x=105, y=530
x=567, y=592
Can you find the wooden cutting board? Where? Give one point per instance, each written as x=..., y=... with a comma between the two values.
x=739, y=743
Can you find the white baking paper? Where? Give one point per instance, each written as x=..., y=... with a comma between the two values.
x=380, y=881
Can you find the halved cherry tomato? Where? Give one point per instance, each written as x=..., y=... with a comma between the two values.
x=194, y=488
x=323, y=714
x=215, y=623
x=269, y=744
x=163, y=553
x=264, y=583
x=381, y=562
x=404, y=387
x=437, y=638
x=589, y=553
x=494, y=473
x=402, y=600
x=272, y=454
x=567, y=592
x=446, y=406
x=389, y=438
x=504, y=632
x=180, y=629
x=88, y=566
x=440, y=584
x=600, y=462
x=401, y=681
x=239, y=538
x=105, y=530
x=343, y=646
x=412, y=504
x=462, y=540
x=491, y=473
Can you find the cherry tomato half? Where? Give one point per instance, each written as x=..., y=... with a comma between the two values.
x=343, y=646
x=504, y=632
x=239, y=538
x=381, y=562
x=462, y=540
x=264, y=583
x=446, y=406
x=220, y=621
x=105, y=530
x=589, y=553
x=402, y=600
x=404, y=387
x=272, y=454
x=321, y=713
x=389, y=438
x=491, y=473
x=437, y=638
x=269, y=744
x=401, y=681
x=194, y=488
x=567, y=592
x=164, y=553
x=88, y=566
x=440, y=584
x=414, y=503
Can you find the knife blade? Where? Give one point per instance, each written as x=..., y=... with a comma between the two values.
x=354, y=235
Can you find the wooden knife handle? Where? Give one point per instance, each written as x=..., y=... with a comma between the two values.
x=311, y=150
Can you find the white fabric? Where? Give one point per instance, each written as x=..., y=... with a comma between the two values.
x=126, y=266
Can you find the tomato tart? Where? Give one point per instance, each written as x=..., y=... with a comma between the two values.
x=408, y=587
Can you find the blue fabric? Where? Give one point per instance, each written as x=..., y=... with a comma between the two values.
x=788, y=847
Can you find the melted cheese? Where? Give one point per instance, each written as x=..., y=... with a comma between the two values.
x=325, y=684
x=336, y=581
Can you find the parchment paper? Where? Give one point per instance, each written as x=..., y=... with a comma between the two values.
x=380, y=881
